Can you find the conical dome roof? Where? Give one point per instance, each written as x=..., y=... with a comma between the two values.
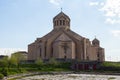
x=95, y=40
x=61, y=14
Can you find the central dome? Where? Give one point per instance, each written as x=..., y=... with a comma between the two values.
x=61, y=21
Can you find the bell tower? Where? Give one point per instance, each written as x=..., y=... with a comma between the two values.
x=61, y=21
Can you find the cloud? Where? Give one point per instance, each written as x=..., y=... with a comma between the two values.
x=116, y=33
x=112, y=21
x=94, y=3
x=55, y=2
x=9, y=51
x=110, y=9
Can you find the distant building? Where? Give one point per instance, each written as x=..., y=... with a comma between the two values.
x=63, y=43
x=2, y=56
x=21, y=54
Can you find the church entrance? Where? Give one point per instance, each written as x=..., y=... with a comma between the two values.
x=64, y=50
x=63, y=47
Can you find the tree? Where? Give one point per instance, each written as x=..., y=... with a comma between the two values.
x=12, y=61
x=39, y=62
x=4, y=71
x=4, y=62
x=16, y=58
x=1, y=76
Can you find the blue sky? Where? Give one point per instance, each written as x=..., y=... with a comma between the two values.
x=22, y=21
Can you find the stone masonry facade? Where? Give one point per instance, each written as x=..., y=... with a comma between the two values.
x=63, y=43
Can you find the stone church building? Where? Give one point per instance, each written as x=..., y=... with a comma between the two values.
x=63, y=43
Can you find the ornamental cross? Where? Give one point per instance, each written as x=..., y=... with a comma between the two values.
x=65, y=46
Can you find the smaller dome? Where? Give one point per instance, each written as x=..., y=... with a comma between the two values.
x=96, y=42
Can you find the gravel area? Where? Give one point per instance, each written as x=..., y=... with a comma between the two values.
x=71, y=77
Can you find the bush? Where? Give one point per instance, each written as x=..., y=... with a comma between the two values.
x=39, y=62
x=4, y=71
x=53, y=62
x=1, y=76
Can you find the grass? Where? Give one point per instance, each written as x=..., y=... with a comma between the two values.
x=23, y=68
x=106, y=67
x=111, y=78
x=110, y=67
x=111, y=64
x=26, y=68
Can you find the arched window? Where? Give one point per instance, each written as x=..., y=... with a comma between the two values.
x=45, y=52
x=98, y=55
x=60, y=22
x=66, y=23
x=69, y=23
x=40, y=52
x=65, y=57
x=57, y=22
x=52, y=52
x=63, y=22
x=87, y=57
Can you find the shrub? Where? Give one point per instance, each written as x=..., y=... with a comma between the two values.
x=53, y=62
x=39, y=62
x=4, y=71
x=1, y=76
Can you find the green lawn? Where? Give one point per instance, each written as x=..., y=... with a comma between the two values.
x=46, y=67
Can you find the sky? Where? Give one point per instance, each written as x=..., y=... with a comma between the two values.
x=22, y=21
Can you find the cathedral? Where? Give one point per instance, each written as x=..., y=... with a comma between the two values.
x=63, y=43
